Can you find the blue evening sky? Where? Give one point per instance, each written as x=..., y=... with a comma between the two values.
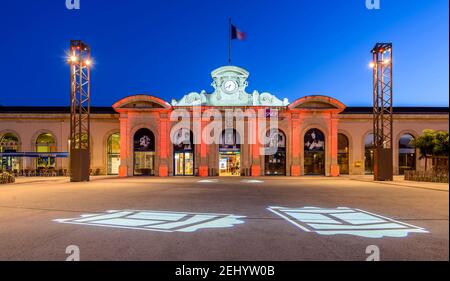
x=168, y=48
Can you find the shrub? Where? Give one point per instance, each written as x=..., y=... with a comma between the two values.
x=6, y=178
x=430, y=176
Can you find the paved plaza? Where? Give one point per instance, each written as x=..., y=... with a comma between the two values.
x=223, y=219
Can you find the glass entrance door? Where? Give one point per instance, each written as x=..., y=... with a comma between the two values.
x=369, y=157
x=275, y=165
x=275, y=153
x=113, y=164
x=183, y=152
x=144, y=163
x=314, y=163
x=230, y=164
x=144, y=153
x=184, y=164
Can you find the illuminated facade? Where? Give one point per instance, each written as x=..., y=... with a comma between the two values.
x=138, y=136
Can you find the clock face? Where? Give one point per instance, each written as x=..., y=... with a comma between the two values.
x=230, y=86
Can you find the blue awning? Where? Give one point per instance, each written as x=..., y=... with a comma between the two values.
x=35, y=155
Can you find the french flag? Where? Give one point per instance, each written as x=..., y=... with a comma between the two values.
x=237, y=34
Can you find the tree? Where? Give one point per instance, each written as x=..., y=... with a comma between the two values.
x=431, y=144
x=441, y=144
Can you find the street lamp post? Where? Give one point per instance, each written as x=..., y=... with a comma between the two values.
x=80, y=95
x=383, y=111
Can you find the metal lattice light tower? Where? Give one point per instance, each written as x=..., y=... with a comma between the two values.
x=80, y=64
x=382, y=111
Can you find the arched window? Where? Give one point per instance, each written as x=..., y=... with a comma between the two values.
x=275, y=153
x=343, y=154
x=113, y=154
x=9, y=143
x=183, y=153
x=230, y=153
x=144, y=153
x=406, y=154
x=46, y=144
x=314, y=152
x=369, y=154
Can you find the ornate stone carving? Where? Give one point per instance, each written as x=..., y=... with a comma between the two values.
x=192, y=99
x=268, y=99
x=230, y=83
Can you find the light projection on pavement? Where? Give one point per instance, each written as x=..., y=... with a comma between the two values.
x=252, y=181
x=345, y=220
x=208, y=181
x=156, y=220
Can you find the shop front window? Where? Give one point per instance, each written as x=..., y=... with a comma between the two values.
x=144, y=153
x=183, y=148
x=275, y=153
x=46, y=144
x=230, y=153
x=369, y=154
x=406, y=154
x=9, y=143
x=113, y=156
x=343, y=154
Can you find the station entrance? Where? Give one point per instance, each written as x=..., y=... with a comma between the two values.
x=230, y=154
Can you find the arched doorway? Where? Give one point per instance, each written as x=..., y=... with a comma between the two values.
x=343, y=154
x=144, y=153
x=275, y=153
x=406, y=154
x=314, y=152
x=230, y=153
x=9, y=143
x=45, y=144
x=113, y=154
x=369, y=154
x=183, y=153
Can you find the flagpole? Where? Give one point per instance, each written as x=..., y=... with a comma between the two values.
x=229, y=42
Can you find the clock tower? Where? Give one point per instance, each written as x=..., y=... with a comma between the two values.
x=230, y=83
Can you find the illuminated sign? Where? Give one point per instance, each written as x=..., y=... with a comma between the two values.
x=144, y=141
x=345, y=220
x=271, y=113
x=156, y=220
x=223, y=163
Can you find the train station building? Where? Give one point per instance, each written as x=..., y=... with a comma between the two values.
x=142, y=135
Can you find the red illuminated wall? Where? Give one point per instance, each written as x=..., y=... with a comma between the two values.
x=143, y=111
